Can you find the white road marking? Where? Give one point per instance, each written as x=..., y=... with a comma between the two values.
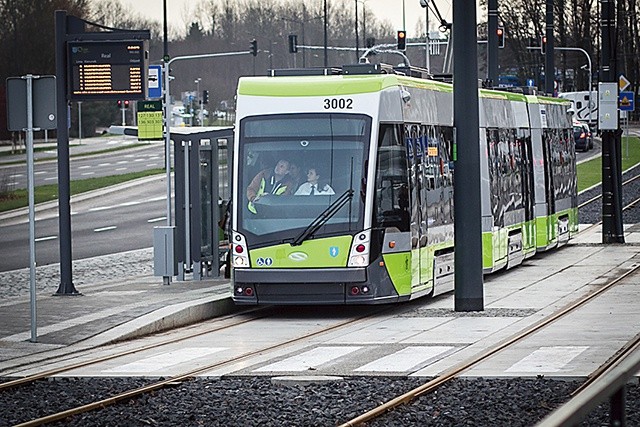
x=88, y=173
x=405, y=359
x=308, y=360
x=40, y=172
x=152, y=164
x=129, y=203
x=84, y=167
x=51, y=178
x=111, y=227
x=122, y=162
x=104, y=164
x=121, y=169
x=547, y=359
x=163, y=361
x=157, y=199
x=162, y=218
x=42, y=239
x=100, y=208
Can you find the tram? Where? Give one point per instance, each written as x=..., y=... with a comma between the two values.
x=375, y=151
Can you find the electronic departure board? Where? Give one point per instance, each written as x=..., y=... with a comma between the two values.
x=108, y=70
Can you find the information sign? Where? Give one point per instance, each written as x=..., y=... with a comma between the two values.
x=149, y=120
x=625, y=101
x=155, y=81
x=108, y=70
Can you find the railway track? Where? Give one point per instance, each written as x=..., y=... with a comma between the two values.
x=185, y=376
x=455, y=372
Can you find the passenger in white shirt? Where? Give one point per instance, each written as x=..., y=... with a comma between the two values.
x=312, y=187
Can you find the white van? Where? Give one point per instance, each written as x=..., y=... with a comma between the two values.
x=580, y=102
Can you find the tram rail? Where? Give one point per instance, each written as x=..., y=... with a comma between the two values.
x=190, y=374
x=454, y=372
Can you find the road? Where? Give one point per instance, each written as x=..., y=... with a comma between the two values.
x=135, y=159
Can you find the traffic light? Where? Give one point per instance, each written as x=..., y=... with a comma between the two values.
x=126, y=103
x=123, y=104
x=543, y=44
x=402, y=40
x=254, y=47
x=205, y=96
x=500, y=32
x=293, y=43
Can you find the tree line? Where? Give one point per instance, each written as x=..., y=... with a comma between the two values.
x=27, y=42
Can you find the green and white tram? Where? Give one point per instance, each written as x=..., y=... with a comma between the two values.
x=343, y=186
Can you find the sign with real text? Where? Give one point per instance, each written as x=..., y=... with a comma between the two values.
x=107, y=70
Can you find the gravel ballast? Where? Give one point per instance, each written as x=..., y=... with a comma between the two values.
x=241, y=401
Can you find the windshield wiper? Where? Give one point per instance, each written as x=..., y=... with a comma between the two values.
x=325, y=216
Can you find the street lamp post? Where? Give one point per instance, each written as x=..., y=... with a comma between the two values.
x=427, y=56
x=357, y=41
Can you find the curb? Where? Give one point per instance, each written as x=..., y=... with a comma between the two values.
x=167, y=318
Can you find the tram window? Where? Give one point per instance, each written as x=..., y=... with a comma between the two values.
x=392, y=181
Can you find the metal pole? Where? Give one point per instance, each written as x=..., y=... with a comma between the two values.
x=612, y=227
x=579, y=49
x=167, y=137
x=549, y=65
x=357, y=41
x=80, y=122
x=492, y=43
x=64, y=188
x=32, y=220
x=187, y=205
x=326, y=52
x=427, y=52
x=468, y=216
x=165, y=39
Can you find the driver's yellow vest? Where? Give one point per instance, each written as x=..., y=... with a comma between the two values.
x=279, y=188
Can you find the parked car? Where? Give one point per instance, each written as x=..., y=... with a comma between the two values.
x=583, y=136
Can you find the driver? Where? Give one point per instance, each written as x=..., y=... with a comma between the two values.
x=276, y=181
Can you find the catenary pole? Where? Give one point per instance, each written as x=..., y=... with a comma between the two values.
x=612, y=229
x=468, y=226
x=64, y=188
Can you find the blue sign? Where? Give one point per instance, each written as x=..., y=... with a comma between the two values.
x=155, y=82
x=625, y=101
x=530, y=82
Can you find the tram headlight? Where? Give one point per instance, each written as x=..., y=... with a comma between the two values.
x=239, y=250
x=240, y=261
x=359, y=254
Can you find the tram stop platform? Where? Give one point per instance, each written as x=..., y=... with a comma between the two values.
x=118, y=310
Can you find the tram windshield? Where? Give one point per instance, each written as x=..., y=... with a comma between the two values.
x=293, y=167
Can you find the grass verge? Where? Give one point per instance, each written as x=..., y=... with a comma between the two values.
x=15, y=199
x=590, y=172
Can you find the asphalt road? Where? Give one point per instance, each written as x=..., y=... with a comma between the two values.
x=112, y=222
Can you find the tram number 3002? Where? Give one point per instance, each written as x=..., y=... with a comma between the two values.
x=338, y=104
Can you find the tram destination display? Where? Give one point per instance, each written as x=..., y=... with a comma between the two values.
x=108, y=70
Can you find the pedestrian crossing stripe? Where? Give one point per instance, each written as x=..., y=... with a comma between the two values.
x=406, y=359
x=547, y=359
x=164, y=360
x=309, y=360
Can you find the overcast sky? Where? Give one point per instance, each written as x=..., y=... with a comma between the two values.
x=385, y=10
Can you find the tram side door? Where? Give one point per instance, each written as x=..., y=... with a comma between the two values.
x=415, y=154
